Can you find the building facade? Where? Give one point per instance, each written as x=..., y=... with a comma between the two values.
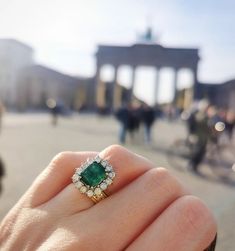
x=221, y=95
x=25, y=85
x=38, y=83
x=14, y=57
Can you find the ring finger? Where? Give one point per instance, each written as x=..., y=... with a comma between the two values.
x=127, y=166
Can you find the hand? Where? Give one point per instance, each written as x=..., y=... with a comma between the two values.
x=147, y=209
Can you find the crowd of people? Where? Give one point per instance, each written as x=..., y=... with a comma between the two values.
x=131, y=116
x=207, y=124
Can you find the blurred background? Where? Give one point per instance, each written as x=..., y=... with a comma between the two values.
x=155, y=76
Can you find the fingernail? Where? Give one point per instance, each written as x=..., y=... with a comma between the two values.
x=212, y=245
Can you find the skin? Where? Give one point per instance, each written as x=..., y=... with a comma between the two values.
x=147, y=209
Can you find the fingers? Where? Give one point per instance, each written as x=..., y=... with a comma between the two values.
x=67, y=202
x=127, y=166
x=187, y=225
x=55, y=177
x=129, y=211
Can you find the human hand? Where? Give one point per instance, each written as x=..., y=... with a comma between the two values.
x=147, y=209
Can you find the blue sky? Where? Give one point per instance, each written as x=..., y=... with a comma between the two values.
x=65, y=33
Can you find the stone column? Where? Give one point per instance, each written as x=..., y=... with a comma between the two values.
x=196, y=93
x=116, y=90
x=132, y=83
x=100, y=90
x=156, y=86
x=175, y=81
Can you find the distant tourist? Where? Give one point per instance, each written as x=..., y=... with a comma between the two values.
x=2, y=109
x=148, y=117
x=198, y=126
x=54, y=109
x=230, y=123
x=123, y=116
x=134, y=120
x=2, y=173
x=213, y=120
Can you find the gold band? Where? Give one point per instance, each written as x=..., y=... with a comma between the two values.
x=98, y=198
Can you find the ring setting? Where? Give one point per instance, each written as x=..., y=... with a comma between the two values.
x=93, y=177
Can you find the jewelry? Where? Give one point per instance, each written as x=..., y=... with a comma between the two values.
x=93, y=177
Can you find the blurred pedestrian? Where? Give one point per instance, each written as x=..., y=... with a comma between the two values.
x=134, y=120
x=2, y=173
x=213, y=120
x=148, y=117
x=2, y=109
x=200, y=132
x=54, y=110
x=123, y=116
x=189, y=117
x=230, y=123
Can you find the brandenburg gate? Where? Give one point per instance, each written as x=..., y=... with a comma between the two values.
x=146, y=54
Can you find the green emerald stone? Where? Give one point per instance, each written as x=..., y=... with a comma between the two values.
x=93, y=175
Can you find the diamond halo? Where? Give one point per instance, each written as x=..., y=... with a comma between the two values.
x=93, y=177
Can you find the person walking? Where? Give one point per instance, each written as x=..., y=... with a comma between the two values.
x=55, y=110
x=201, y=133
x=2, y=109
x=148, y=117
x=230, y=123
x=123, y=116
x=2, y=174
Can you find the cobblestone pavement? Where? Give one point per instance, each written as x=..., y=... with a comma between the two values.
x=28, y=142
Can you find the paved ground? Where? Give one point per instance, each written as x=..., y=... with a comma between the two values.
x=28, y=142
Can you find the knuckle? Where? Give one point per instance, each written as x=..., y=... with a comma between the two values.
x=62, y=155
x=115, y=154
x=160, y=173
x=115, y=149
x=162, y=179
x=61, y=158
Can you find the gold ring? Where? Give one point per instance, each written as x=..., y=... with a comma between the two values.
x=93, y=177
x=98, y=198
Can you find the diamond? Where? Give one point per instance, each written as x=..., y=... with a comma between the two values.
x=89, y=161
x=93, y=175
x=112, y=175
x=90, y=193
x=108, y=168
x=98, y=191
x=83, y=189
x=108, y=181
x=103, y=186
x=104, y=163
x=97, y=159
x=75, y=178
x=78, y=171
x=79, y=184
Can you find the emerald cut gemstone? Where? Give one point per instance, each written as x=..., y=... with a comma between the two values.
x=93, y=175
